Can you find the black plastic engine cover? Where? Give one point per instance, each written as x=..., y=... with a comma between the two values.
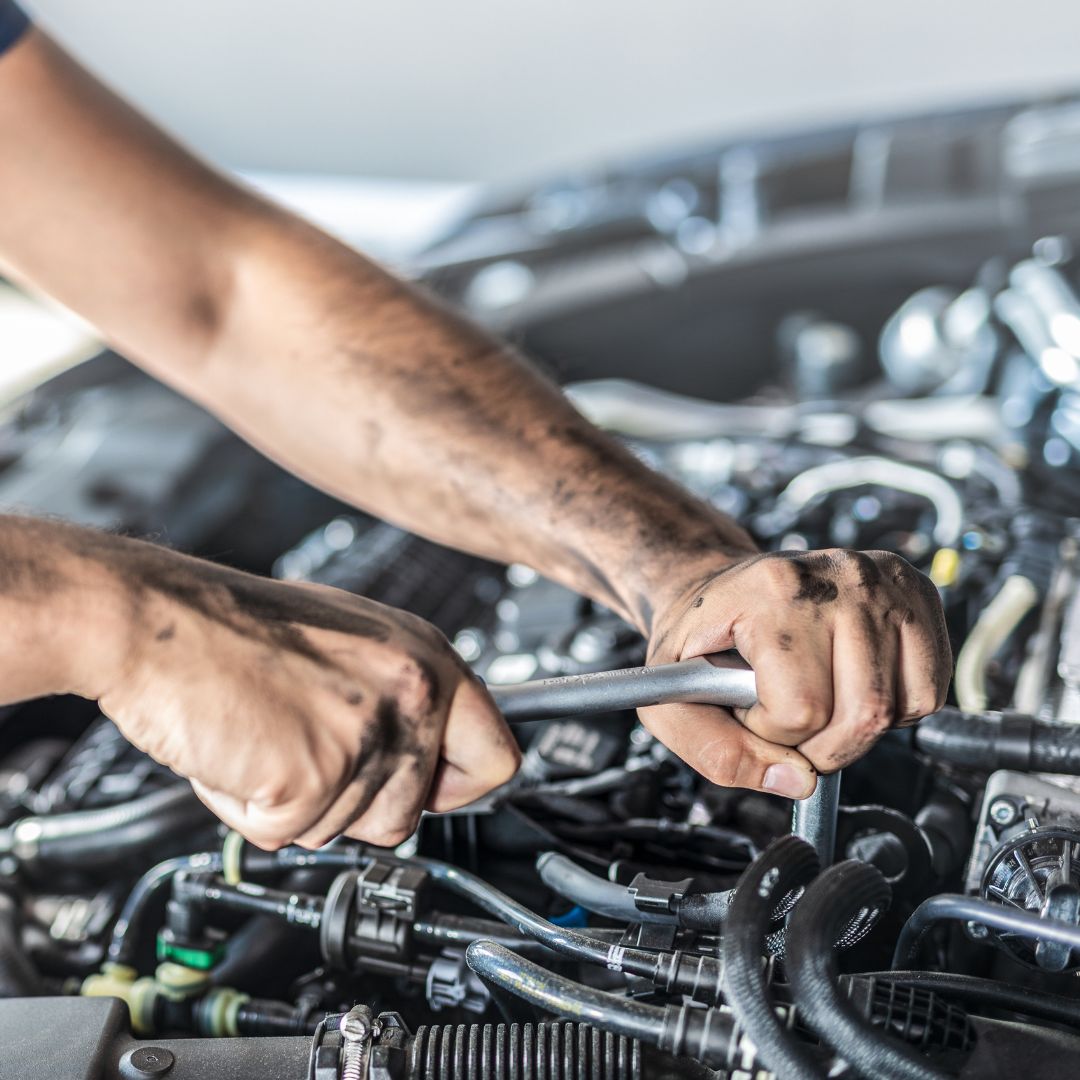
x=72, y=1038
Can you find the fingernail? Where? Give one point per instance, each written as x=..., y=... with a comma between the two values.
x=786, y=780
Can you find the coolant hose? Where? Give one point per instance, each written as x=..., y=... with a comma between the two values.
x=675, y=972
x=1016, y=597
x=839, y=894
x=592, y=892
x=954, y=906
x=989, y=741
x=85, y=839
x=684, y=1030
x=17, y=975
x=125, y=942
x=695, y=911
x=786, y=864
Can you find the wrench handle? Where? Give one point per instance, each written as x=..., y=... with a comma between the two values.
x=705, y=680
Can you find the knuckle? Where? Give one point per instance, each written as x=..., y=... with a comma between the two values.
x=382, y=833
x=940, y=697
x=886, y=559
x=417, y=686
x=277, y=791
x=804, y=717
x=425, y=632
x=876, y=718
x=922, y=701
x=778, y=572
x=268, y=843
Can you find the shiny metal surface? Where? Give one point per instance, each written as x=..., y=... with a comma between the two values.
x=714, y=680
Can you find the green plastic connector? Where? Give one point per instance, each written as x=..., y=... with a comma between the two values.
x=199, y=959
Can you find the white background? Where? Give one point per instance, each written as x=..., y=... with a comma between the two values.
x=499, y=89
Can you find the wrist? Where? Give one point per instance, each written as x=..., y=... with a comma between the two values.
x=672, y=582
x=65, y=613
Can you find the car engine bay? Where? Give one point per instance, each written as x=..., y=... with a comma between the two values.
x=609, y=913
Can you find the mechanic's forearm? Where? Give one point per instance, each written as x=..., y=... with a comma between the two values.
x=64, y=613
x=330, y=365
x=378, y=393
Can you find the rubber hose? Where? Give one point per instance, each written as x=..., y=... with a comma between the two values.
x=103, y=838
x=675, y=972
x=1027, y=924
x=786, y=864
x=17, y=975
x=841, y=892
x=125, y=940
x=592, y=892
x=1016, y=597
x=555, y=1051
x=989, y=741
x=686, y=1030
x=124, y=944
x=454, y=931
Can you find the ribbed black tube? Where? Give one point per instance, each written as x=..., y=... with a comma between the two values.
x=786, y=864
x=989, y=741
x=828, y=904
x=557, y=1051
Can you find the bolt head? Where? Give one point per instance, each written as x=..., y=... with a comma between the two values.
x=1003, y=811
x=354, y=1027
x=147, y=1061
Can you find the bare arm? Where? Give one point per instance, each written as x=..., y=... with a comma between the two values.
x=374, y=391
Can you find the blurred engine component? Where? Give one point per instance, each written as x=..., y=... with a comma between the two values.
x=905, y=379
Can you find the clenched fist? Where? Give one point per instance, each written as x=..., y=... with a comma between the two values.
x=845, y=645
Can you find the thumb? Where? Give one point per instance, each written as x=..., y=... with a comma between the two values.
x=714, y=743
x=479, y=752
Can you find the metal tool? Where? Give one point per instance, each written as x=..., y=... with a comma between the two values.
x=814, y=819
x=721, y=679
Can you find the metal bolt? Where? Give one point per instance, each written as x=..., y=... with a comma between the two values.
x=356, y=1032
x=1003, y=811
x=977, y=930
x=147, y=1061
x=355, y=1028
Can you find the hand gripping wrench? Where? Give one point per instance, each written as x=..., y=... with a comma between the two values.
x=721, y=679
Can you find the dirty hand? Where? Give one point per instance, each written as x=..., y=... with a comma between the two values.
x=844, y=645
x=297, y=711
